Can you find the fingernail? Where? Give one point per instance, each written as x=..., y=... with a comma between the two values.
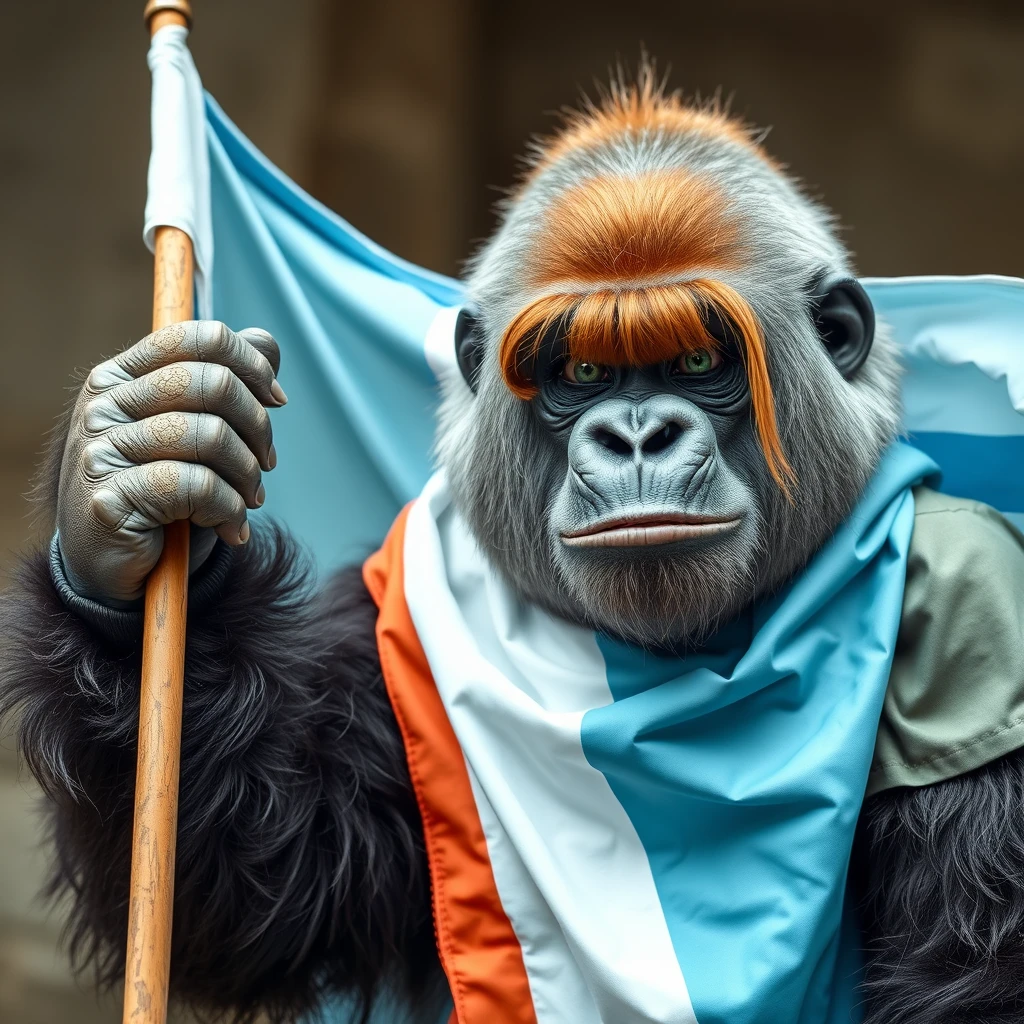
x=278, y=392
x=261, y=496
x=272, y=457
x=243, y=533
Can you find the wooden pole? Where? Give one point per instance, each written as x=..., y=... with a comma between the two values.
x=151, y=898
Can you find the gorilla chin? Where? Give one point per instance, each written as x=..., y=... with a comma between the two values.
x=661, y=581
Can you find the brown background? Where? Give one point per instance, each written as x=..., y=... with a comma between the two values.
x=405, y=115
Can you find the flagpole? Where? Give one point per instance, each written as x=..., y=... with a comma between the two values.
x=151, y=896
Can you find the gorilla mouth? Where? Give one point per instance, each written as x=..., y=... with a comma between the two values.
x=647, y=531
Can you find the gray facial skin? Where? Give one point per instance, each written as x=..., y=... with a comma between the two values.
x=643, y=458
x=524, y=473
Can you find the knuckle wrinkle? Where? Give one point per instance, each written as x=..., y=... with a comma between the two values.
x=105, y=508
x=92, y=459
x=217, y=384
x=217, y=340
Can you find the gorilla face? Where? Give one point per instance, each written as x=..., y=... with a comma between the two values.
x=628, y=499
x=649, y=518
x=637, y=500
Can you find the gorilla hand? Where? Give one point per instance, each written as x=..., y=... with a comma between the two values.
x=172, y=428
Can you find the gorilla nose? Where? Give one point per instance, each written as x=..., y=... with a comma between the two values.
x=633, y=435
x=630, y=443
x=621, y=449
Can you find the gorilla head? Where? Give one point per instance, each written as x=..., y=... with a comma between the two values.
x=672, y=387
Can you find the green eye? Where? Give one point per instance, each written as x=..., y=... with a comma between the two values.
x=579, y=372
x=700, y=361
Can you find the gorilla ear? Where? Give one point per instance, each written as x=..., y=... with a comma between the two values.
x=469, y=347
x=845, y=320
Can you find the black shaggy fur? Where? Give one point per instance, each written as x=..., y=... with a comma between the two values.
x=300, y=864
x=944, y=910
x=301, y=869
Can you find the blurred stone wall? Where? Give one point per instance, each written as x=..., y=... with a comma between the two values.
x=407, y=117
x=903, y=115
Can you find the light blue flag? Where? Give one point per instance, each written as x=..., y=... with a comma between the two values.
x=354, y=441
x=353, y=320
x=358, y=325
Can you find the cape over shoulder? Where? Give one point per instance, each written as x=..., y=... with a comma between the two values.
x=686, y=774
x=955, y=699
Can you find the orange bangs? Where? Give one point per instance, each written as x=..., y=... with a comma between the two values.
x=637, y=327
x=635, y=228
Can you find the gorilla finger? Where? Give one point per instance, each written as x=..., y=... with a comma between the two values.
x=158, y=493
x=187, y=388
x=216, y=503
x=207, y=341
x=105, y=375
x=187, y=437
x=171, y=344
x=265, y=344
x=217, y=344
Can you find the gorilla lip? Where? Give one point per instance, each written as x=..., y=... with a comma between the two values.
x=647, y=531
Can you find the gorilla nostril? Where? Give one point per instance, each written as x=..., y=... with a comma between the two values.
x=663, y=439
x=611, y=441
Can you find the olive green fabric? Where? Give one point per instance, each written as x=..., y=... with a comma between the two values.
x=955, y=699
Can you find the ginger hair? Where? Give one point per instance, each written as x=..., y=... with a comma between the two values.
x=640, y=326
x=610, y=250
x=630, y=108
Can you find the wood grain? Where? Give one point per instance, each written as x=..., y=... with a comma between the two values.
x=151, y=899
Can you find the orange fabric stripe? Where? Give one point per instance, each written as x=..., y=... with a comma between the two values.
x=479, y=951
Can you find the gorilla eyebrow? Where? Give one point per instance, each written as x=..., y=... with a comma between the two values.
x=618, y=228
x=641, y=326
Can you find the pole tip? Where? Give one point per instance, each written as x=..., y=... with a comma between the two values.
x=180, y=7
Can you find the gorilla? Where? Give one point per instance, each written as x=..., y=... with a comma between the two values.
x=672, y=394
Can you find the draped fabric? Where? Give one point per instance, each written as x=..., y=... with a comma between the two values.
x=619, y=836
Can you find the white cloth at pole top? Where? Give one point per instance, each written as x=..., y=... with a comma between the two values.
x=179, y=163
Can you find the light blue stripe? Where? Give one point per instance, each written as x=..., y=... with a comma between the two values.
x=354, y=440
x=249, y=162
x=956, y=399
x=962, y=340
x=742, y=768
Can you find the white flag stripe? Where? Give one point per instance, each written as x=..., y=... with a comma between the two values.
x=439, y=342
x=569, y=867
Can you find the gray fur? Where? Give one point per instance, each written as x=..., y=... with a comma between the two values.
x=504, y=467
